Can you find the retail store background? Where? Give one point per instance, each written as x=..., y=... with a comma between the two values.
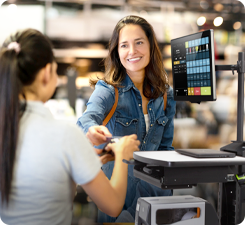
x=80, y=31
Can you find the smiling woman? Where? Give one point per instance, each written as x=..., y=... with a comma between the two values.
x=134, y=66
x=134, y=52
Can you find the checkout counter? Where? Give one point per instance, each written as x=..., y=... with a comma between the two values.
x=171, y=170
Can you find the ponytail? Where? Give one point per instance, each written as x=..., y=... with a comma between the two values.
x=22, y=56
x=9, y=119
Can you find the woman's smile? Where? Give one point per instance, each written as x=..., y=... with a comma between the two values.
x=134, y=60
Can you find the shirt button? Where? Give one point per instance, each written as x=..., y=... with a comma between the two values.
x=144, y=142
x=151, y=125
x=149, y=108
x=139, y=105
x=163, y=121
x=127, y=123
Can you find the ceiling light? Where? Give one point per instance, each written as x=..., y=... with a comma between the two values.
x=12, y=8
x=237, y=25
x=218, y=21
x=218, y=7
x=201, y=20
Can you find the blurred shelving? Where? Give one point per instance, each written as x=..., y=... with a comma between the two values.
x=81, y=53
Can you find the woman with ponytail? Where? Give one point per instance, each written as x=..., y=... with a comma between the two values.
x=42, y=159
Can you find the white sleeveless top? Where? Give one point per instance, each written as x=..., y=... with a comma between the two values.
x=147, y=122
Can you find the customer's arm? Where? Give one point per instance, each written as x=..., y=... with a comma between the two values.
x=109, y=196
x=98, y=106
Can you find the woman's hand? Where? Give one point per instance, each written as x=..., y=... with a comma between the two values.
x=125, y=148
x=97, y=134
x=106, y=157
x=110, y=196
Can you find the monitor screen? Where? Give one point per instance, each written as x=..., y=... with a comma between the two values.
x=193, y=67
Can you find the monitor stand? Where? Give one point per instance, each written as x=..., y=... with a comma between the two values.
x=232, y=194
x=238, y=146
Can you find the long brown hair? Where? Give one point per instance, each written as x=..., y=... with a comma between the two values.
x=19, y=65
x=115, y=73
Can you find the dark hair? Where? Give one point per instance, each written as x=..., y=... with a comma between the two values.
x=156, y=76
x=19, y=66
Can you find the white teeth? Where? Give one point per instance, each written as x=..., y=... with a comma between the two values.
x=134, y=59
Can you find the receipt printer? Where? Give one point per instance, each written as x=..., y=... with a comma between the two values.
x=178, y=210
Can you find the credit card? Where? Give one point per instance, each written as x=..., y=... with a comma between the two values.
x=113, y=139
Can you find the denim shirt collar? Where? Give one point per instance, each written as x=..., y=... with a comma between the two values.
x=127, y=84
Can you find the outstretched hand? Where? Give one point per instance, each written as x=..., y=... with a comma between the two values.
x=98, y=134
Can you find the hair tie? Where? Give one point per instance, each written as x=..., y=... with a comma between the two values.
x=15, y=46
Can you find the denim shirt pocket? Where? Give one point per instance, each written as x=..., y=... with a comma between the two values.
x=125, y=126
x=159, y=129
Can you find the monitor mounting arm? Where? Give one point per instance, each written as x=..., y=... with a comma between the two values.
x=238, y=146
x=231, y=207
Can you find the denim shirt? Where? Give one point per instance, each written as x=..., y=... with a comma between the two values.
x=129, y=118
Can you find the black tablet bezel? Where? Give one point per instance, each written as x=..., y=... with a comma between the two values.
x=200, y=153
x=197, y=98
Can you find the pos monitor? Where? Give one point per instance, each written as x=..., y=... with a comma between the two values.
x=193, y=67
